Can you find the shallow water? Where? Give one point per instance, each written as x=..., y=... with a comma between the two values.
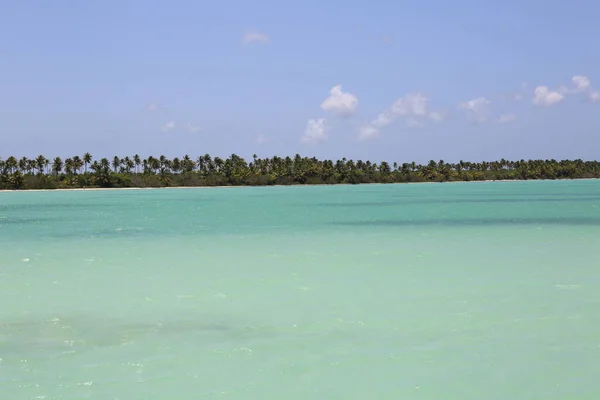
x=424, y=291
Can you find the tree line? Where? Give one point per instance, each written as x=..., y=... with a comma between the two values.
x=83, y=171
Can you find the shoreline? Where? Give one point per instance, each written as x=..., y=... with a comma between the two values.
x=264, y=186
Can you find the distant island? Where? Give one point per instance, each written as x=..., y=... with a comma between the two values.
x=128, y=172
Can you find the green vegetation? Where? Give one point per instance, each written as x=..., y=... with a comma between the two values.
x=83, y=171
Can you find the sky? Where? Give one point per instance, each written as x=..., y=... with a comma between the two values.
x=373, y=80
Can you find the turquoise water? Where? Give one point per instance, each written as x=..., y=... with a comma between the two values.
x=422, y=291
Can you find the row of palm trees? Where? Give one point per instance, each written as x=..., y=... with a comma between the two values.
x=84, y=171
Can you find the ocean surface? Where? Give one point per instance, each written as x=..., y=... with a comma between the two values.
x=465, y=291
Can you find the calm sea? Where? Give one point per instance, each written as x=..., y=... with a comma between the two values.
x=422, y=291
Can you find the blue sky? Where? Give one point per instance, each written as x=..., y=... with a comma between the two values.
x=395, y=80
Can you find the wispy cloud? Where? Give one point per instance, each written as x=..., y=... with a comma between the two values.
x=152, y=107
x=169, y=126
x=255, y=37
x=368, y=132
x=506, y=118
x=477, y=110
x=342, y=103
x=413, y=108
x=192, y=128
x=438, y=116
x=522, y=92
x=316, y=131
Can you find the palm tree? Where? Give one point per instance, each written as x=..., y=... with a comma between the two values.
x=57, y=166
x=41, y=163
x=11, y=164
x=116, y=163
x=137, y=161
x=87, y=159
x=77, y=164
x=69, y=166
x=24, y=164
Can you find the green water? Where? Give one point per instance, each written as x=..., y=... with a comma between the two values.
x=425, y=291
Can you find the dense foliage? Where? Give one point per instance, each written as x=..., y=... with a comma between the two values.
x=77, y=172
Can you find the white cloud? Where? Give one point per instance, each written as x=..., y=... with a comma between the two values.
x=368, y=132
x=477, y=109
x=505, y=118
x=383, y=119
x=437, y=116
x=545, y=97
x=193, y=128
x=411, y=107
x=562, y=89
x=169, y=126
x=343, y=103
x=316, y=131
x=581, y=83
x=255, y=37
